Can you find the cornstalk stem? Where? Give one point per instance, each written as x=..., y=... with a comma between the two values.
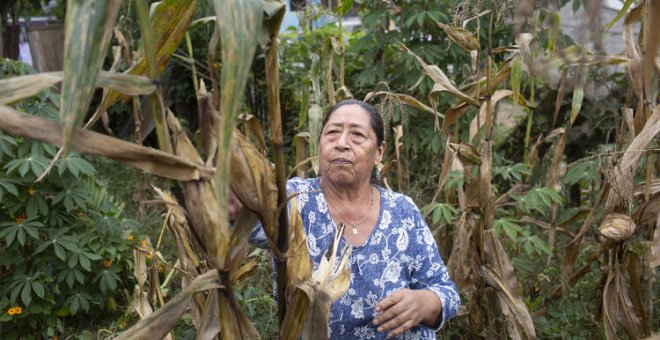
x=275, y=115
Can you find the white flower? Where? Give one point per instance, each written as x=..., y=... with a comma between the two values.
x=428, y=237
x=302, y=200
x=408, y=223
x=357, y=309
x=312, y=246
x=402, y=241
x=372, y=299
x=312, y=217
x=385, y=220
x=321, y=204
x=391, y=273
x=364, y=332
x=376, y=238
x=373, y=258
x=386, y=253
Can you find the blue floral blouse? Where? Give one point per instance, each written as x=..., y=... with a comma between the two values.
x=399, y=253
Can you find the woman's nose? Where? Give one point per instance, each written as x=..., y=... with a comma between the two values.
x=343, y=141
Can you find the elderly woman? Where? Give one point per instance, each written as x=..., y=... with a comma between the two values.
x=399, y=284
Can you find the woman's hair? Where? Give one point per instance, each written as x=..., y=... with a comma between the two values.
x=375, y=120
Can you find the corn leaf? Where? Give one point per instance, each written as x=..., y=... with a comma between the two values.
x=93, y=143
x=403, y=99
x=170, y=21
x=617, y=307
x=620, y=15
x=497, y=96
x=17, y=88
x=499, y=274
x=162, y=321
x=441, y=82
x=578, y=93
x=239, y=23
x=87, y=32
x=516, y=78
x=253, y=181
x=274, y=11
x=624, y=172
x=632, y=50
x=460, y=264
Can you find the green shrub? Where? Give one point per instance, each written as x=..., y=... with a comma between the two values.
x=66, y=250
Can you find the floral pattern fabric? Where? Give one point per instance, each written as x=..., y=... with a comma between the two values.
x=399, y=253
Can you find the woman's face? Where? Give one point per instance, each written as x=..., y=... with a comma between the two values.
x=348, y=150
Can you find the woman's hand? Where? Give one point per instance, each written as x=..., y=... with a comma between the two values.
x=405, y=309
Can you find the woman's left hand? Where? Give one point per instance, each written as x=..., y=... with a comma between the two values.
x=405, y=309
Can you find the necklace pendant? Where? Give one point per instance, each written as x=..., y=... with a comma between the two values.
x=354, y=231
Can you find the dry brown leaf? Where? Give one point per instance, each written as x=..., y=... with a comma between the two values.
x=441, y=82
x=460, y=262
x=159, y=323
x=462, y=37
x=208, y=326
x=617, y=307
x=499, y=274
x=632, y=50
x=626, y=169
x=404, y=99
x=240, y=231
x=299, y=266
x=253, y=181
x=499, y=95
x=633, y=267
x=93, y=143
x=476, y=90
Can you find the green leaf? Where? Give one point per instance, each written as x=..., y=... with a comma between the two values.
x=59, y=251
x=38, y=289
x=8, y=186
x=516, y=78
x=20, y=236
x=578, y=92
x=620, y=15
x=88, y=31
x=84, y=262
x=26, y=293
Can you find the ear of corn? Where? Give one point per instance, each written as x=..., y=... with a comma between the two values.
x=617, y=227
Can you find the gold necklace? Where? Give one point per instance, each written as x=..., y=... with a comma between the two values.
x=356, y=224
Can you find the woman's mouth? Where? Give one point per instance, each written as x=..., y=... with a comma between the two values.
x=341, y=161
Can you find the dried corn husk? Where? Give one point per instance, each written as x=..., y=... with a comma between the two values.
x=466, y=153
x=617, y=227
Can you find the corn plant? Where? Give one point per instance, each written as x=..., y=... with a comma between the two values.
x=210, y=252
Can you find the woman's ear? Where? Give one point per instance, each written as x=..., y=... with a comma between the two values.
x=380, y=151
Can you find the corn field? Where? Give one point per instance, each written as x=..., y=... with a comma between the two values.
x=616, y=236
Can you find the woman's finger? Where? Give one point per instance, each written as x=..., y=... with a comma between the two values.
x=401, y=329
x=402, y=318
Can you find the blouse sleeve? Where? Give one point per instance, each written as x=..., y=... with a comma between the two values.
x=429, y=271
